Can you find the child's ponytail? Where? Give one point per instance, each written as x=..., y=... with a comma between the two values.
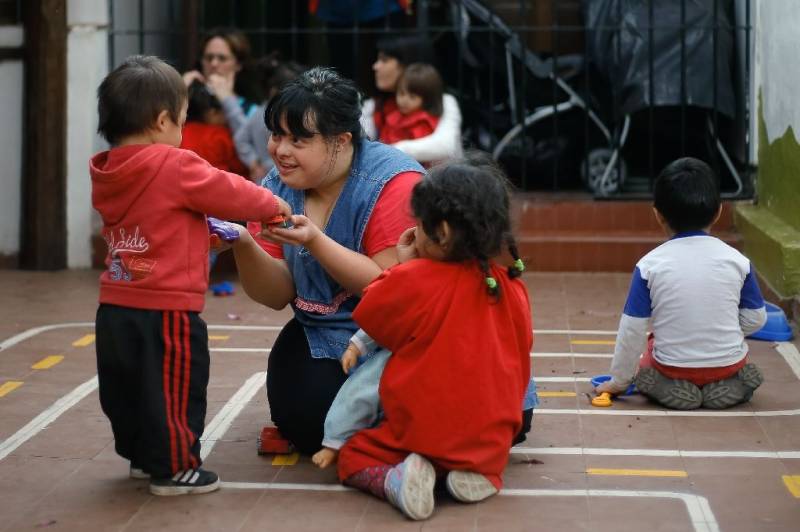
x=516, y=269
x=491, y=282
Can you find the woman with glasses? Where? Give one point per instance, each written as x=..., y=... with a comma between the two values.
x=225, y=54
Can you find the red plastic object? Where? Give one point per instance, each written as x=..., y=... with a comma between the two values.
x=277, y=220
x=271, y=442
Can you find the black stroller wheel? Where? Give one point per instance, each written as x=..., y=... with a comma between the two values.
x=594, y=168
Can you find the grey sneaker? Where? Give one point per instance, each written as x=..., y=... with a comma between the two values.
x=466, y=486
x=188, y=482
x=409, y=487
x=672, y=393
x=734, y=390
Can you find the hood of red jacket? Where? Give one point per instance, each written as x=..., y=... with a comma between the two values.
x=120, y=175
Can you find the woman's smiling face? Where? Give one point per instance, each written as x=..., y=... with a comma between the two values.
x=302, y=162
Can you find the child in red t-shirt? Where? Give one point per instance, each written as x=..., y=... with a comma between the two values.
x=206, y=134
x=459, y=329
x=419, y=105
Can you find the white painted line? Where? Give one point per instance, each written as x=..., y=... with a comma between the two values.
x=700, y=514
x=571, y=355
x=52, y=413
x=668, y=413
x=24, y=335
x=239, y=350
x=222, y=421
x=789, y=353
x=667, y=453
x=539, y=379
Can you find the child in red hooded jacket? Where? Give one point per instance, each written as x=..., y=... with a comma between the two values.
x=152, y=345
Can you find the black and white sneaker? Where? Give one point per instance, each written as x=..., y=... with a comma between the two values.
x=188, y=482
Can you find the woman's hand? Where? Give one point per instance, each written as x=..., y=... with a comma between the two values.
x=192, y=75
x=302, y=233
x=406, y=249
x=284, y=209
x=221, y=85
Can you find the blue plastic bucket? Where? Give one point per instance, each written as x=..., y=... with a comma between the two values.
x=776, y=329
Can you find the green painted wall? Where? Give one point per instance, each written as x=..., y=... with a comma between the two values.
x=779, y=173
x=771, y=227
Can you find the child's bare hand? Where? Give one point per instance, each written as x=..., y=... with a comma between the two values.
x=406, y=249
x=350, y=358
x=325, y=457
x=610, y=387
x=284, y=209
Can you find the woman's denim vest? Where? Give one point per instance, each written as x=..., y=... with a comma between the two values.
x=321, y=305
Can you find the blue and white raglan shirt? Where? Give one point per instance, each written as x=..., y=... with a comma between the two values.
x=703, y=299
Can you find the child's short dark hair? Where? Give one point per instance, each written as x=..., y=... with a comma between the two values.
x=131, y=97
x=424, y=81
x=320, y=97
x=274, y=72
x=201, y=101
x=686, y=194
x=473, y=196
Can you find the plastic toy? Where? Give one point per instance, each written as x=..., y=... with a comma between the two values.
x=223, y=288
x=271, y=442
x=279, y=220
x=604, y=399
x=776, y=329
x=219, y=231
x=598, y=379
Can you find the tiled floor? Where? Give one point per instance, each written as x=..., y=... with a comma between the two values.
x=632, y=467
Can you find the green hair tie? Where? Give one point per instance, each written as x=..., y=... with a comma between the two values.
x=519, y=265
x=491, y=283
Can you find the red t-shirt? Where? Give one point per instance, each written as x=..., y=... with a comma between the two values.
x=214, y=144
x=390, y=217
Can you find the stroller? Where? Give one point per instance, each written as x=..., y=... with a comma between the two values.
x=515, y=92
x=665, y=57
x=618, y=37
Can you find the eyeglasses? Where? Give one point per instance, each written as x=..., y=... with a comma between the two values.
x=222, y=58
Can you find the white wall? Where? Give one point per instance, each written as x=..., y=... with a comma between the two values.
x=777, y=75
x=11, y=110
x=87, y=64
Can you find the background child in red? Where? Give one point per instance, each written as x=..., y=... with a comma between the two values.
x=459, y=328
x=419, y=105
x=206, y=132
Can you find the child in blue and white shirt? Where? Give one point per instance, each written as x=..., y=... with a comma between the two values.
x=702, y=298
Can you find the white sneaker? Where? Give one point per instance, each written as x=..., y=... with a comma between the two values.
x=466, y=486
x=409, y=487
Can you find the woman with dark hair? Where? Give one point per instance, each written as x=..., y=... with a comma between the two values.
x=225, y=54
x=354, y=197
x=394, y=55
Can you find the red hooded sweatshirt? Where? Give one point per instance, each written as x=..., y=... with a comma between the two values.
x=153, y=199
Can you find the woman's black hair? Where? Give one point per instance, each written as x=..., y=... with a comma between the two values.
x=406, y=49
x=317, y=101
x=686, y=194
x=200, y=102
x=473, y=196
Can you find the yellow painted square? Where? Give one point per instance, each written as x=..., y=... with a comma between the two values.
x=792, y=483
x=84, y=341
x=218, y=337
x=48, y=362
x=285, y=459
x=8, y=387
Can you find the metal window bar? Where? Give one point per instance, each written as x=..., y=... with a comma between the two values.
x=521, y=102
